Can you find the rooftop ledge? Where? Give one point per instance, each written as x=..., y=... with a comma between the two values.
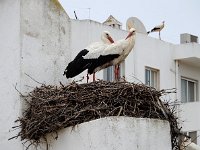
x=188, y=53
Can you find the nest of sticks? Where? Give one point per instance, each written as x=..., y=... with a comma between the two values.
x=50, y=108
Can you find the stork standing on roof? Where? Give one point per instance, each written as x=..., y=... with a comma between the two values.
x=157, y=29
x=114, y=54
x=79, y=64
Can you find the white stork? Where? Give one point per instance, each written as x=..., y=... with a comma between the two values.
x=79, y=64
x=157, y=29
x=114, y=54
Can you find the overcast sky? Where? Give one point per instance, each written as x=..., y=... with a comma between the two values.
x=180, y=16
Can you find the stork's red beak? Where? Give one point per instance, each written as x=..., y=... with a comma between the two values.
x=130, y=34
x=110, y=39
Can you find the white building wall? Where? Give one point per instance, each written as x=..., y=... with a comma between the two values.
x=45, y=42
x=156, y=54
x=186, y=50
x=115, y=133
x=9, y=71
x=34, y=41
x=189, y=71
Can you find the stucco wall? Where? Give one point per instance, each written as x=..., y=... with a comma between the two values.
x=45, y=34
x=9, y=71
x=186, y=50
x=115, y=133
x=34, y=41
x=189, y=113
x=156, y=54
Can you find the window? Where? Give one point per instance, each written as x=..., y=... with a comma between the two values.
x=188, y=90
x=193, y=136
x=109, y=73
x=151, y=77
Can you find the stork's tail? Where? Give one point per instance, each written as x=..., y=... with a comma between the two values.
x=77, y=66
x=148, y=32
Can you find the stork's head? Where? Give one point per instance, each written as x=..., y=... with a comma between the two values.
x=163, y=22
x=131, y=32
x=106, y=37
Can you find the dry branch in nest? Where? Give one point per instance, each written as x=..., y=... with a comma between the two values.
x=51, y=108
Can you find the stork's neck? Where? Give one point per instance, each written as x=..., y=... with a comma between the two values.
x=163, y=24
x=105, y=40
x=130, y=40
x=130, y=43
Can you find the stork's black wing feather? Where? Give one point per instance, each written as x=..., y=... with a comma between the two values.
x=154, y=29
x=78, y=65
x=101, y=61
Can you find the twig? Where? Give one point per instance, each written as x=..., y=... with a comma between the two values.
x=120, y=111
x=15, y=86
x=33, y=79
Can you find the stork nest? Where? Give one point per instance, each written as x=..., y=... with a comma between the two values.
x=50, y=108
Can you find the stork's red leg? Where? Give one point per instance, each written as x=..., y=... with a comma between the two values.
x=87, y=77
x=115, y=71
x=93, y=77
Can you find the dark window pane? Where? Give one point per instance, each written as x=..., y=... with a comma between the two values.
x=193, y=136
x=147, y=77
x=110, y=73
x=183, y=91
x=191, y=92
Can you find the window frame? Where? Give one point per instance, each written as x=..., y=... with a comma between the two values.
x=156, y=83
x=195, y=90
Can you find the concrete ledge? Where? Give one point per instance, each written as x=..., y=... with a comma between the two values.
x=115, y=133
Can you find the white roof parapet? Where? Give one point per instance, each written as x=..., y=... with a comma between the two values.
x=112, y=132
x=189, y=53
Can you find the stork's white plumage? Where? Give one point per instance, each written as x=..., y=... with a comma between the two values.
x=79, y=64
x=117, y=52
x=158, y=29
x=98, y=46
